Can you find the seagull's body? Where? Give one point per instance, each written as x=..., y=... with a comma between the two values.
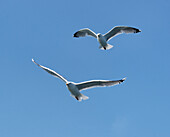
x=75, y=91
x=102, y=39
x=75, y=88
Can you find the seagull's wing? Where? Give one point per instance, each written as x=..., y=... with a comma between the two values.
x=98, y=83
x=84, y=32
x=119, y=30
x=52, y=72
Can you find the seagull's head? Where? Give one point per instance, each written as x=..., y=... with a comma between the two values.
x=99, y=35
x=69, y=84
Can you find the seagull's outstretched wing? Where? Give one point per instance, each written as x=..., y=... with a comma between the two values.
x=98, y=83
x=52, y=72
x=119, y=30
x=84, y=32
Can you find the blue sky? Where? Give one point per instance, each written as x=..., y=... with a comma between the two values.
x=35, y=104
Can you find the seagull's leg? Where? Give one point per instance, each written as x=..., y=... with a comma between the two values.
x=77, y=98
x=104, y=48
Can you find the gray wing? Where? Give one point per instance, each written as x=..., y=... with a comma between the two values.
x=84, y=32
x=55, y=74
x=98, y=83
x=119, y=30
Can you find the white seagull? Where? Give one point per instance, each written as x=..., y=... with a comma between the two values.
x=102, y=39
x=75, y=88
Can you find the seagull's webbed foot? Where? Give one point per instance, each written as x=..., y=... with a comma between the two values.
x=77, y=98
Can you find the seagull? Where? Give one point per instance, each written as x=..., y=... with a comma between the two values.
x=102, y=39
x=75, y=88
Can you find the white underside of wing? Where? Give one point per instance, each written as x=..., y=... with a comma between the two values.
x=52, y=72
x=85, y=32
x=97, y=83
x=119, y=30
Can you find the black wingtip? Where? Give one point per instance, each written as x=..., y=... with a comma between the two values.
x=122, y=79
x=137, y=30
x=75, y=35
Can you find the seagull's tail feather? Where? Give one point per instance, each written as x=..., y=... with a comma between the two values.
x=107, y=47
x=84, y=97
x=81, y=97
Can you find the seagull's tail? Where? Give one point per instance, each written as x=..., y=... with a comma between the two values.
x=84, y=97
x=80, y=97
x=107, y=47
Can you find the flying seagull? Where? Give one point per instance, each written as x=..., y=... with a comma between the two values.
x=102, y=39
x=75, y=88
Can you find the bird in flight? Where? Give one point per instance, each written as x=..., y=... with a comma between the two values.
x=102, y=39
x=75, y=88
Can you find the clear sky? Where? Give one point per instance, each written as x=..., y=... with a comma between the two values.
x=35, y=104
